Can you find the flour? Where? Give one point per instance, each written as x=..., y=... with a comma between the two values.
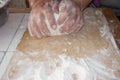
x=3, y=3
x=98, y=12
x=105, y=31
x=104, y=51
x=98, y=63
x=61, y=68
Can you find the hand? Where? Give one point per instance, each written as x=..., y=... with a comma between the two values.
x=44, y=22
x=41, y=10
x=70, y=17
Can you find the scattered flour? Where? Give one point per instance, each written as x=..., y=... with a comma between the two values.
x=64, y=67
x=104, y=31
x=61, y=68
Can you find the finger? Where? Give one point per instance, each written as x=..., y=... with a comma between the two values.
x=50, y=16
x=44, y=28
x=34, y=27
x=29, y=26
x=73, y=28
x=63, y=16
x=79, y=25
x=69, y=23
x=36, y=31
x=30, y=30
x=78, y=28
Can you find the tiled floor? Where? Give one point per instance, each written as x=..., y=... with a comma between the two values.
x=1, y=56
x=8, y=31
x=10, y=35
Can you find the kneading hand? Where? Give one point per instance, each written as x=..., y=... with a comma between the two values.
x=54, y=17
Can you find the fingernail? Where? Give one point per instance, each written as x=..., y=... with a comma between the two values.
x=54, y=27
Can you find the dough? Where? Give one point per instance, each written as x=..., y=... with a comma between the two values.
x=90, y=54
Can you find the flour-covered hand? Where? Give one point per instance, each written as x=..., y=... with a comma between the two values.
x=54, y=17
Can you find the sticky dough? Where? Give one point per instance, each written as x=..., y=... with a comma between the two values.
x=90, y=54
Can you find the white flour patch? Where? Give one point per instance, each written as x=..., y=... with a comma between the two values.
x=98, y=12
x=104, y=31
x=104, y=51
x=61, y=68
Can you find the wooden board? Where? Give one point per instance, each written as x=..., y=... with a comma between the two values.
x=19, y=10
x=92, y=51
x=114, y=24
x=18, y=3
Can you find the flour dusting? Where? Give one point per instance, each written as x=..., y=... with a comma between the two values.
x=61, y=68
x=104, y=31
x=80, y=57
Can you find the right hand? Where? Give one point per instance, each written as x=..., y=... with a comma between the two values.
x=42, y=20
x=70, y=16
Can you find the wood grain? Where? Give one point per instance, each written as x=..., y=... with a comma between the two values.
x=18, y=3
x=114, y=24
x=19, y=10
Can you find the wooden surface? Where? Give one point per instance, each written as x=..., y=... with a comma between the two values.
x=113, y=21
x=93, y=48
x=18, y=3
x=19, y=10
x=114, y=24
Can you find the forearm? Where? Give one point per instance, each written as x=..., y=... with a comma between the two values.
x=83, y=3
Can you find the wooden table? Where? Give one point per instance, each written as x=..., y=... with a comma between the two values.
x=113, y=21
x=114, y=24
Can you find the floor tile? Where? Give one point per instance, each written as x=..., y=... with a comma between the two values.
x=8, y=30
x=25, y=21
x=19, y=34
x=5, y=62
x=1, y=56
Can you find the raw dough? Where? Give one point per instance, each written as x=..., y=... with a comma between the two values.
x=90, y=54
